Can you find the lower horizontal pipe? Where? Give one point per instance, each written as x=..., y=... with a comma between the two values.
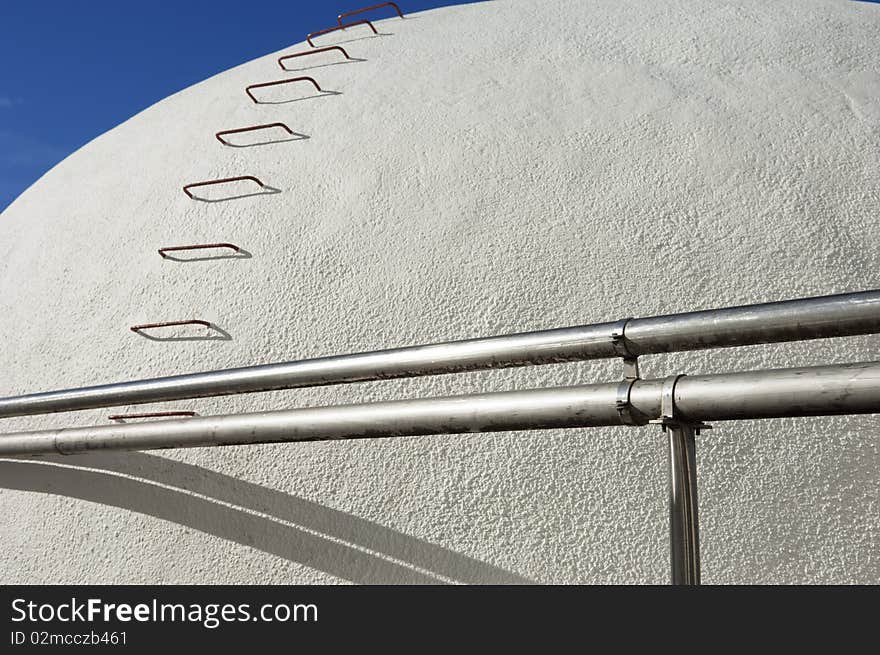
x=493, y=412
x=814, y=391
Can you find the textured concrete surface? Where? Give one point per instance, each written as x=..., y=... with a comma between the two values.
x=483, y=169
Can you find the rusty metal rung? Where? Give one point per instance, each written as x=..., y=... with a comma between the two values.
x=276, y=83
x=251, y=128
x=120, y=417
x=146, y=326
x=370, y=8
x=337, y=28
x=200, y=246
x=221, y=181
x=312, y=52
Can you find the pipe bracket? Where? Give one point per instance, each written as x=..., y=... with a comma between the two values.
x=668, y=417
x=618, y=343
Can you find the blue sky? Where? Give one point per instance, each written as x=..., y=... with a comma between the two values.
x=73, y=69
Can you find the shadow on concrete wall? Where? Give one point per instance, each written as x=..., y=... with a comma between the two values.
x=266, y=190
x=323, y=93
x=241, y=253
x=214, y=333
x=296, y=529
x=305, y=67
x=352, y=40
x=296, y=136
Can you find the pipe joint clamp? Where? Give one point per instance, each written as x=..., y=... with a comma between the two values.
x=618, y=344
x=668, y=416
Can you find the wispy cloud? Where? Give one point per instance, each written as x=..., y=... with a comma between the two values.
x=6, y=102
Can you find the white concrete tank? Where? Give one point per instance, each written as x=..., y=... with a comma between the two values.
x=482, y=169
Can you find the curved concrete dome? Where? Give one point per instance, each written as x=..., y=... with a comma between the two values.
x=477, y=170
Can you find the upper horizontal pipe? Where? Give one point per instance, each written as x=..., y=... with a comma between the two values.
x=812, y=391
x=839, y=315
x=809, y=318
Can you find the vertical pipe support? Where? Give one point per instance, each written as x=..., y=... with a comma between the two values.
x=684, y=524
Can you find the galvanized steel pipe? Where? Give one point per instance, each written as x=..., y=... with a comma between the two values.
x=813, y=391
x=809, y=318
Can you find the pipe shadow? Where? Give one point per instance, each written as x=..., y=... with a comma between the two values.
x=332, y=63
x=322, y=94
x=265, y=191
x=219, y=334
x=296, y=136
x=241, y=254
x=298, y=530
